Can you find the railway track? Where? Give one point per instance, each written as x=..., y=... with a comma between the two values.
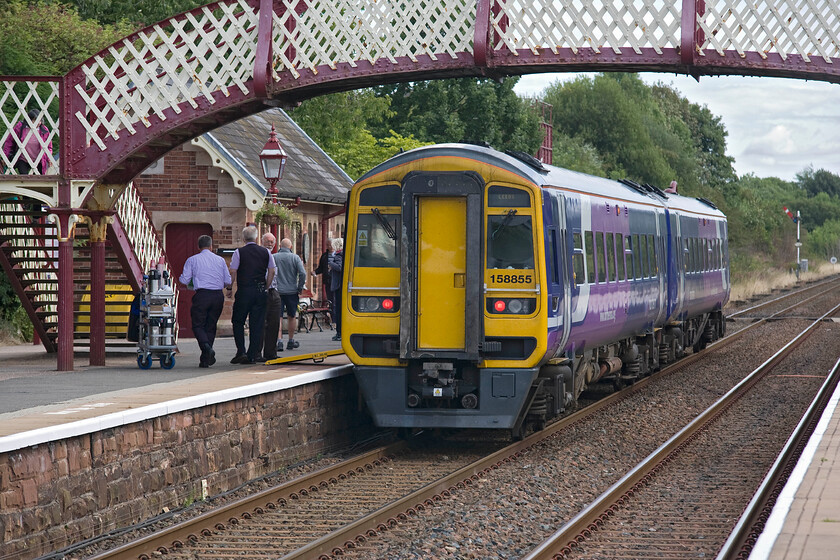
x=350, y=524
x=680, y=502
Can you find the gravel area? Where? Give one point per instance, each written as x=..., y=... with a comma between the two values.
x=518, y=506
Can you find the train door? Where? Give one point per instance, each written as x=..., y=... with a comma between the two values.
x=441, y=284
x=565, y=272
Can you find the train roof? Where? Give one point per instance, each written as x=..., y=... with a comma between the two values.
x=545, y=175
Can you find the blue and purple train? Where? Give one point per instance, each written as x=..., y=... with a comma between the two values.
x=487, y=290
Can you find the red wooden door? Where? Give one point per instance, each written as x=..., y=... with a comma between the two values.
x=182, y=243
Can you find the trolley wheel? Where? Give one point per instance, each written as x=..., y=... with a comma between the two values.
x=144, y=362
x=167, y=362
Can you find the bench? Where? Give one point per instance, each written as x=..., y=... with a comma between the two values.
x=311, y=312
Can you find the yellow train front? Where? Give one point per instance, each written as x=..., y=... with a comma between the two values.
x=442, y=313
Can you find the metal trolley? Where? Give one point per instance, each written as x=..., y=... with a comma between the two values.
x=157, y=321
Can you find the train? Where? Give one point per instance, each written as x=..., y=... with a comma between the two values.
x=485, y=289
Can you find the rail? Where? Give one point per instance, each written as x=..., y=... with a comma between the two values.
x=589, y=520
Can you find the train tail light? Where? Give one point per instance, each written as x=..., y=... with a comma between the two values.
x=375, y=304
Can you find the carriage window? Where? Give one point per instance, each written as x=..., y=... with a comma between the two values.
x=644, y=255
x=698, y=258
x=619, y=243
x=611, y=255
x=707, y=255
x=552, y=256
x=577, y=260
x=598, y=249
x=377, y=244
x=590, y=258
x=510, y=241
x=654, y=269
x=637, y=256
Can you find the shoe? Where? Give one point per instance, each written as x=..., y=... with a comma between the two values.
x=257, y=359
x=293, y=344
x=208, y=356
x=279, y=345
x=239, y=359
x=337, y=337
x=203, y=365
x=269, y=358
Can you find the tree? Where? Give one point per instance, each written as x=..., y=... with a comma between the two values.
x=616, y=115
x=462, y=109
x=819, y=181
x=137, y=13
x=49, y=39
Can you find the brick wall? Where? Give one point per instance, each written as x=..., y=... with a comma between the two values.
x=56, y=494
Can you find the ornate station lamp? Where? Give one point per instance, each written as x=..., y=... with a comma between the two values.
x=273, y=159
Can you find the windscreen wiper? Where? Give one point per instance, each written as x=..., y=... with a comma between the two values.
x=510, y=214
x=385, y=224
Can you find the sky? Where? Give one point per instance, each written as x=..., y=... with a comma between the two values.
x=777, y=127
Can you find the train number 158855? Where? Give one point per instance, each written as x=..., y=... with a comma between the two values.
x=511, y=278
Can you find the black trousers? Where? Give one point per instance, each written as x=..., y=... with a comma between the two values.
x=273, y=318
x=249, y=303
x=205, y=311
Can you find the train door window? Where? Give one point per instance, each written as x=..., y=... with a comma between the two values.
x=718, y=255
x=600, y=256
x=654, y=269
x=619, y=245
x=577, y=260
x=707, y=255
x=686, y=256
x=588, y=250
x=552, y=254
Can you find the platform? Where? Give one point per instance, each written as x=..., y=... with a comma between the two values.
x=805, y=522
x=39, y=404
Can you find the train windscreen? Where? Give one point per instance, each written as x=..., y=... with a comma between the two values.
x=510, y=241
x=377, y=242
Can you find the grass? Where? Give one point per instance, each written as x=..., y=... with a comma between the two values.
x=772, y=279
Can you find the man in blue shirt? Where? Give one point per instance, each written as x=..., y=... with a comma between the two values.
x=207, y=274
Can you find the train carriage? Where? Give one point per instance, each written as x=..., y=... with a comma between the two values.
x=485, y=290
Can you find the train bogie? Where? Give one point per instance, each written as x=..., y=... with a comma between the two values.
x=485, y=290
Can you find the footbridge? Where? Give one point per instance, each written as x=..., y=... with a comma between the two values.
x=122, y=109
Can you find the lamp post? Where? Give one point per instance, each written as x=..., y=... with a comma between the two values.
x=273, y=159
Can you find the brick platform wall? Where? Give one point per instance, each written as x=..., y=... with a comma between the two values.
x=63, y=492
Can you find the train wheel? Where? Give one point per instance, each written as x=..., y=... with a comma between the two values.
x=144, y=362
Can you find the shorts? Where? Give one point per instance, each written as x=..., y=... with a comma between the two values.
x=289, y=303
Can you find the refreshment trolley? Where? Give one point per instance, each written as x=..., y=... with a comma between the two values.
x=157, y=321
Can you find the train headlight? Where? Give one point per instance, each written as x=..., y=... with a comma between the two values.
x=371, y=305
x=512, y=306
